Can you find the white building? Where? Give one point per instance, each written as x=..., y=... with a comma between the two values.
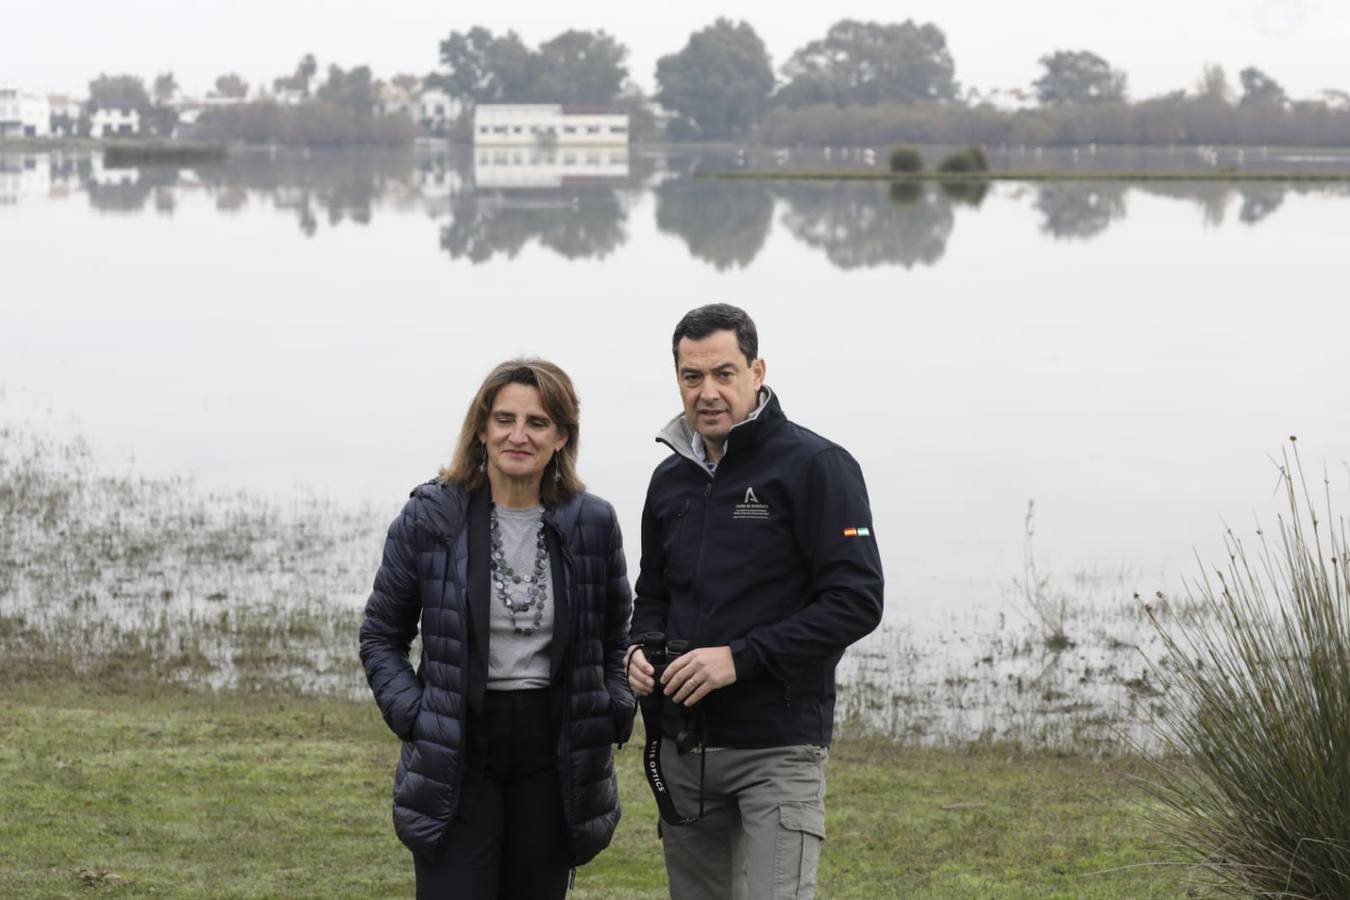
x=23, y=115
x=66, y=113
x=1334, y=99
x=1003, y=99
x=525, y=124
x=434, y=110
x=393, y=99
x=115, y=122
x=289, y=96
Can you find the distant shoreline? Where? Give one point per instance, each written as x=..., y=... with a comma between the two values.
x=968, y=177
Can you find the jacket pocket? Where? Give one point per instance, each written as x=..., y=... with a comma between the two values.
x=405, y=760
x=677, y=559
x=622, y=715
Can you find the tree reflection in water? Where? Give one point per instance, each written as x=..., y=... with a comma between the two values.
x=576, y=223
x=969, y=193
x=860, y=225
x=582, y=212
x=128, y=190
x=1259, y=201
x=1079, y=211
x=724, y=223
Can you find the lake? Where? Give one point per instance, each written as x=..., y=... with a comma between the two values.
x=274, y=351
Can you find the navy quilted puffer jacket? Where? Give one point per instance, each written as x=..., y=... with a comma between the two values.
x=426, y=573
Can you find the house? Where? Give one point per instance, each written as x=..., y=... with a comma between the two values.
x=23, y=115
x=289, y=96
x=115, y=122
x=394, y=100
x=1334, y=99
x=434, y=110
x=1003, y=99
x=526, y=124
x=66, y=115
x=185, y=122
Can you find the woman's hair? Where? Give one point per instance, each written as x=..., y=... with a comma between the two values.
x=560, y=402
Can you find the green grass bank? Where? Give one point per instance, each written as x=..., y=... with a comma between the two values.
x=1218, y=175
x=157, y=791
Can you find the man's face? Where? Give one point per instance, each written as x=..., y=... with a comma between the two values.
x=718, y=387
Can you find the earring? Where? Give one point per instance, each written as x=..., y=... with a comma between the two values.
x=482, y=463
x=557, y=470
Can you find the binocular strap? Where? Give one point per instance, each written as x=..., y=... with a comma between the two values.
x=651, y=765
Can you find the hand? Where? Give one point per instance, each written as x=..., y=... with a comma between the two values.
x=694, y=675
x=639, y=671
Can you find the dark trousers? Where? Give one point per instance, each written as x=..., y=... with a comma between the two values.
x=509, y=839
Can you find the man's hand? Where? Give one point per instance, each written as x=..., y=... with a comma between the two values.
x=694, y=675
x=639, y=671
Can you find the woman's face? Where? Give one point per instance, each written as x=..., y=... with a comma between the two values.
x=520, y=436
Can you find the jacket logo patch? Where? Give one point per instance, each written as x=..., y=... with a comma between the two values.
x=750, y=507
x=857, y=532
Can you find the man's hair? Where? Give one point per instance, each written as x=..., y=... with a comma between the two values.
x=699, y=323
x=559, y=400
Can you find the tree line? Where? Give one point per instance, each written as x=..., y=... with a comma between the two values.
x=861, y=83
x=875, y=83
x=343, y=108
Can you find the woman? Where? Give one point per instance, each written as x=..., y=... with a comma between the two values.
x=506, y=779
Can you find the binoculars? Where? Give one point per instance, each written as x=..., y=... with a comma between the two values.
x=660, y=652
x=677, y=720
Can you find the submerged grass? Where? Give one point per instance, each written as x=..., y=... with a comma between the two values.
x=1257, y=780
x=121, y=578
x=142, y=790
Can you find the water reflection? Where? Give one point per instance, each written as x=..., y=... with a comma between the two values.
x=1079, y=211
x=722, y=223
x=577, y=203
x=1259, y=201
x=332, y=187
x=970, y=193
x=575, y=222
x=860, y=225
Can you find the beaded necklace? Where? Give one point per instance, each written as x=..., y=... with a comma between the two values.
x=508, y=581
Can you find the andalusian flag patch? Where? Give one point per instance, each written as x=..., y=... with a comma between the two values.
x=857, y=532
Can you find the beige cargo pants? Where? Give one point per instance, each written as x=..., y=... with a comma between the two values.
x=763, y=823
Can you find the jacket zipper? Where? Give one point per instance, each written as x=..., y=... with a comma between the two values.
x=564, y=764
x=698, y=562
x=463, y=721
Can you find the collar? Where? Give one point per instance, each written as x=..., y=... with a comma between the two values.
x=689, y=443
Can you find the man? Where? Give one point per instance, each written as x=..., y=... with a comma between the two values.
x=758, y=551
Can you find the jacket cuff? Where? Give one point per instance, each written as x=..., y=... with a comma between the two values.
x=745, y=659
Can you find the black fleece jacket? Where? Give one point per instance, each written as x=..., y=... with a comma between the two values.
x=774, y=555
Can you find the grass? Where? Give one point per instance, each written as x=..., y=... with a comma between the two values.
x=144, y=790
x=1221, y=175
x=1257, y=784
x=122, y=154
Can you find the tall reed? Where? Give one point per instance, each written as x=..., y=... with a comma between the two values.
x=1256, y=786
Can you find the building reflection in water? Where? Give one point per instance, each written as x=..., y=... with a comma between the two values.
x=568, y=200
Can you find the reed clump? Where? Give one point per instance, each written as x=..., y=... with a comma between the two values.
x=1255, y=780
x=968, y=160
x=906, y=160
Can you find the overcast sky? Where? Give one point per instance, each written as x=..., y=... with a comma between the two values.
x=1161, y=44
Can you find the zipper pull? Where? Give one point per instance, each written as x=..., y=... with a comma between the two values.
x=707, y=490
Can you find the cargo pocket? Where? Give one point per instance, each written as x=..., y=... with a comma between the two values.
x=801, y=829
